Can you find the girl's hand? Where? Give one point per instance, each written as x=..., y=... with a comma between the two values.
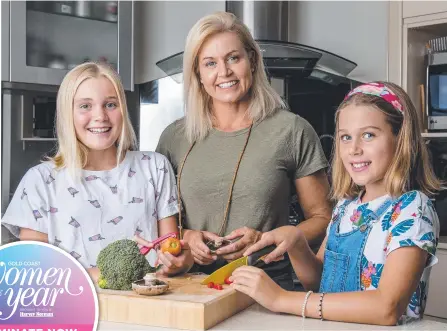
x=196, y=241
x=236, y=250
x=173, y=265
x=94, y=274
x=257, y=284
x=284, y=237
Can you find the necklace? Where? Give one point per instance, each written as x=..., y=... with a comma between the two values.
x=230, y=195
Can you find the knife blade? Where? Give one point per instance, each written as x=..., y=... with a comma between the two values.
x=255, y=260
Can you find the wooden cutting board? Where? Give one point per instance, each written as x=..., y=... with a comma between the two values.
x=186, y=305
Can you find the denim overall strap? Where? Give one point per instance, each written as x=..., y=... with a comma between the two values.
x=344, y=252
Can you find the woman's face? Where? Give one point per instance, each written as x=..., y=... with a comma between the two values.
x=225, y=68
x=97, y=114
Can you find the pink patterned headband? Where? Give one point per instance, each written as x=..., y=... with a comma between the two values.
x=378, y=90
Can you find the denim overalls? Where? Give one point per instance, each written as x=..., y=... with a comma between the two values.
x=344, y=251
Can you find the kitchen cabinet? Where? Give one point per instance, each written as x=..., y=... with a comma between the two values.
x=50, y=37
x=416, y=33
x=437, y=291
x=161, y=28
x=355, y=30
x=418, y=8
x=5, y=41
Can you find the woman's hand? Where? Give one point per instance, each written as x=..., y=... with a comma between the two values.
x=257, y=284
x=200, y=251
x=236, y=250
x=284, y=237
x=173, y=265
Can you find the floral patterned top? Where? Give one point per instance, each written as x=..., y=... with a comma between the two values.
x=84, y=216
x=410, y=221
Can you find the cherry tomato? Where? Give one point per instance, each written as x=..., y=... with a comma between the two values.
x=210, y=285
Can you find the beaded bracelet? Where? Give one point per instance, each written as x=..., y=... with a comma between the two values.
x=320, y=306
x=303, y=308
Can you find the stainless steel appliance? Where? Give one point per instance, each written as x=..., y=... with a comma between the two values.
x=436, y=91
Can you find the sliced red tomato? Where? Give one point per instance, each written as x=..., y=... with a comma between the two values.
x=228, y=281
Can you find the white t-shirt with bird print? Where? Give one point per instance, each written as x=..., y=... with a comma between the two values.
x=82, y=217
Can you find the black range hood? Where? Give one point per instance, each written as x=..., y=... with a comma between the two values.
x=268, y=22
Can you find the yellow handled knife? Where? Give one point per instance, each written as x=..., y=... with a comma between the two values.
x=255, y=259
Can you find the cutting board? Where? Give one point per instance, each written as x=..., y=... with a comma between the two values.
x=186, y=305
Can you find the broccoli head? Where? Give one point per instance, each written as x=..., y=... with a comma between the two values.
x=120, y=264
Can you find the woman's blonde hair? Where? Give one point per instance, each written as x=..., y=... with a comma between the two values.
x=72, y=153
x=264, y=100
x=410, y=169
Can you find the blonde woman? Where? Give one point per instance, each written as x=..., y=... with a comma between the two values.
x=238, y=151
x=375, y=263
x=96, y=189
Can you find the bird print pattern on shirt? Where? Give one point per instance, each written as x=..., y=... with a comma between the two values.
x=90, y=178
x=49, y=180
x=138, y=231
x=75, y=255
x=56, y=242
x=52, y=210
x=136, y=200
x=73, y=191
x=116, y=220
x=96, y=237
x=74, y=223
x=23, y=194
x=146, y=157
x=95, y=203
x=114, y=189
x=131, y=173
x=37, y=214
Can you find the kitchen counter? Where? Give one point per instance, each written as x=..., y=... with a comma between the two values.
x=259, y=318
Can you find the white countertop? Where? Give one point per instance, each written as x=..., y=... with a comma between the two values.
x=442, y=243
x=259, y=318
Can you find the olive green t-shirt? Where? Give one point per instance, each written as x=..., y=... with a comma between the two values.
x=281, y=148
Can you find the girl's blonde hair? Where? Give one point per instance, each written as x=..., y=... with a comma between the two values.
x=410, y=169
x=72, y=153
x=264, y=100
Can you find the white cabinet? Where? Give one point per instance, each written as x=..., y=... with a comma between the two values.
x=437, y=289
x=356, y=30
x=418, y=8
x=161, y=28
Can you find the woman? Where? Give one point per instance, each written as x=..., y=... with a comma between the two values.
x=96, y=189
x=238, y=150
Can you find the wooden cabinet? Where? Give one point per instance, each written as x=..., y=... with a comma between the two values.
x=418, y=8
x=437, y=290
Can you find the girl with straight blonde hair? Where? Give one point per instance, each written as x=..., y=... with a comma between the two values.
x=238, y=152
x=375, y=262
x=96, y=190
x=72, y=153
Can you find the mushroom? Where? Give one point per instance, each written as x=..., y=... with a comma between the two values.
x=150, y=285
